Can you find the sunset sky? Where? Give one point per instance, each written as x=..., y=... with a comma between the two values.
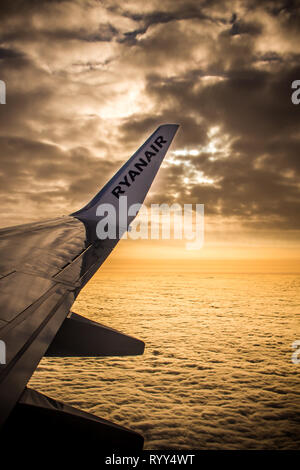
x=87, y=82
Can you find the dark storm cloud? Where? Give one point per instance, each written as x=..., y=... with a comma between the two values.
x=247, y=102
x=260, y=178
x=259, y=181
x=28, y=29
x=105, y=32
x=181, y=11
x=275, y=7
x=173, y=11
x=44, y=174
x=9, y=53
x=90, y=79
x=240, y=27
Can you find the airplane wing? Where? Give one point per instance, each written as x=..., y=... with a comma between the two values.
x=43, y=267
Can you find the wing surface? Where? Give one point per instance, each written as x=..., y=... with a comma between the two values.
x=43, y=267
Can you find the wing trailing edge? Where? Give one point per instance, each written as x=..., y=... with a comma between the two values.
x=40, y=421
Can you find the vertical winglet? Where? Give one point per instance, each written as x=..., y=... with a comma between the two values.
x=136, y=175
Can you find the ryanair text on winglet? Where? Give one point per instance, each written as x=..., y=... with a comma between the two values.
x=128, y=179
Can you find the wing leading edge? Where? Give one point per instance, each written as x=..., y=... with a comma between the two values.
x=43, y=267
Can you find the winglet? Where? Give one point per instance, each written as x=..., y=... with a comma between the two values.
x=136, y=175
